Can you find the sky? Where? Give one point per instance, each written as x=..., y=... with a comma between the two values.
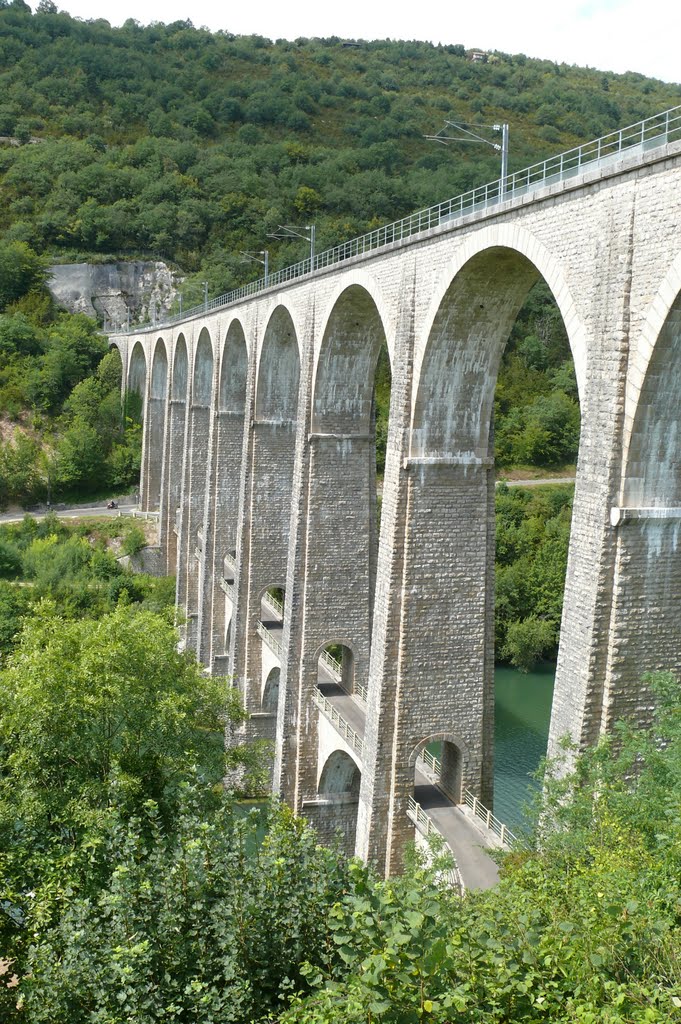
x=612, y=35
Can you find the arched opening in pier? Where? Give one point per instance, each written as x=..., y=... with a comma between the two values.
x=272, y=606
x=497, y=321
x=336, y=669
x=349, y=427
x=340, y=776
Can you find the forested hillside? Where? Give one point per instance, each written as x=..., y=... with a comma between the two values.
x=189, y=146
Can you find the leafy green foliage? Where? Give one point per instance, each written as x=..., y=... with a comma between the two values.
x=585, y=927
x=532, y=537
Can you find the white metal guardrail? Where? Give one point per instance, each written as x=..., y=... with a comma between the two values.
x=274, y=604
x=360, y=692
x=136, y=513
x=427, y=827
x=343, y=727
x=333, y=666
x=271, y=641
x=227, y=588
x=642, y=136
x=481, y=813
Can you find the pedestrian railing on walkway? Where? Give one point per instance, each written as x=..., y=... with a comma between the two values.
x=337, y=720
x=274, y=604
x=481, y=814
x=427, y=827
x=332, y=665
x=227, y=588
x=271, y=640
x=641, y=137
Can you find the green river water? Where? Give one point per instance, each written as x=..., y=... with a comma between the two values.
x=523, y=711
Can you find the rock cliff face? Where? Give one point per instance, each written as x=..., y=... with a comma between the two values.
x=144, y=290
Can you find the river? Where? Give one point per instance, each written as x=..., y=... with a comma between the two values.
x=523, y=711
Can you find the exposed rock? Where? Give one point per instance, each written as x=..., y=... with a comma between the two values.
x=142, y=290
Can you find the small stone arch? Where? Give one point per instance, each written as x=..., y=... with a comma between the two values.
x=346, y=670
x=453, y=761
x=340, y=776
x=278, y=375
x=202, y=377
x=270, y=692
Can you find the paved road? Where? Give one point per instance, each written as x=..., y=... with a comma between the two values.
x=538, y=483
x=72, y=512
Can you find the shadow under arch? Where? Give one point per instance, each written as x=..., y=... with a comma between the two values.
x=233, y=371
x=460, y=359
x=136, y=383
x=346, y=364
x=180, y=378
x=278, y=374
x=202, y=375
x=270, y=692
x=155, y=423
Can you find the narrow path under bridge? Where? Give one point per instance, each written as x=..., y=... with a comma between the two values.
x=467, y=842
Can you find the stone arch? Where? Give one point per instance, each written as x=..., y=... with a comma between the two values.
x=155, y=426
x=468, y=326
x=202, y=377
x=233, y=370
x=270, y=692
x=159, y=371
x=652, y=433
x=346, y=362
x=278, y=375
x=340, y=776
x=180, y=370
x=470, y=317
x=137, y=372
x=453, y=762
x=343, y=671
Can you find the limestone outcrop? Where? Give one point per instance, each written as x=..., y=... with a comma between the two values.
x=142, y=290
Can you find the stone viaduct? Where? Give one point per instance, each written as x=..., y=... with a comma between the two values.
x=259, y=454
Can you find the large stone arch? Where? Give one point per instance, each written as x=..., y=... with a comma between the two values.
x=202, y=372
x=459, y=354
x=652, y=428
x=278, y=373
x=155, y=424
x=345, y=364
x=233, y=371
x=191, y=562
x=136, y=382
x=646, y=600
x=180, y=380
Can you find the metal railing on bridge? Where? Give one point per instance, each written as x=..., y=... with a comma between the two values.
x=274, y=604
x=642, y=136
x=492, y=824
x=433, y=766
x=337, y=720
x=266, y=634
